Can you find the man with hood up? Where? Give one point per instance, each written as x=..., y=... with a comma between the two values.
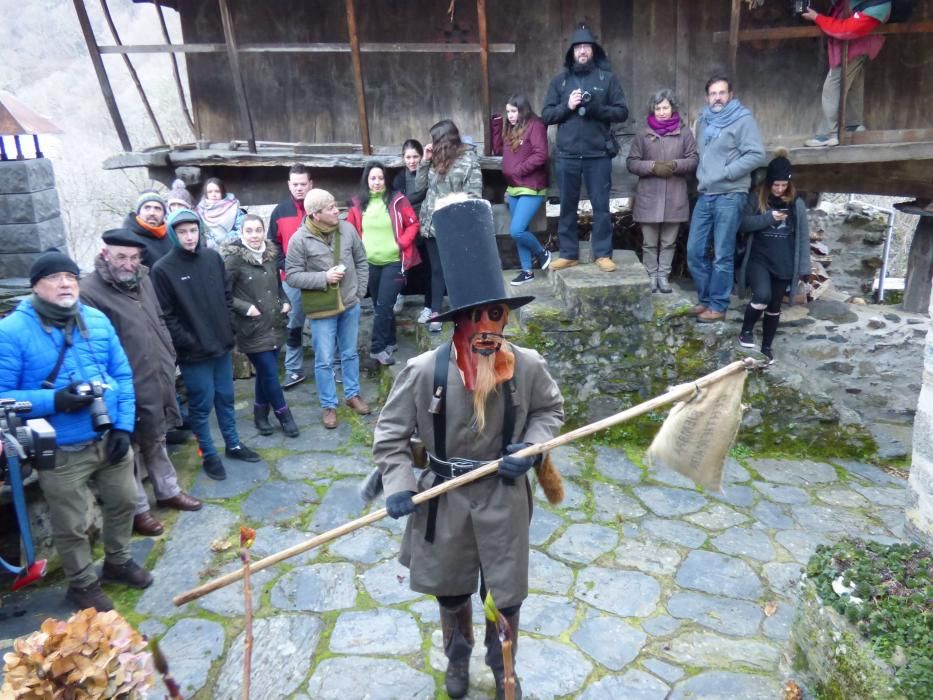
x=584, y=100
x=197, y=301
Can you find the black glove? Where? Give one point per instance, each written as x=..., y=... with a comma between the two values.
x=400, y=504
x=67, y=401
x=515, y=467
x=118, y=444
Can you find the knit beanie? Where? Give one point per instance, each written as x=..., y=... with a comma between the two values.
x=51, y=262
x=317, y=199
x=779, y=169
x=149, y=196
x=179, y=195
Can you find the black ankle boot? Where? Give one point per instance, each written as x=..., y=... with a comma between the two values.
x=261, y=418
x=289, y=427
x=457, y=629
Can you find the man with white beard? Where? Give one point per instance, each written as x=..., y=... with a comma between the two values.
x=121, y=288
x=470, y=401
x=66, y=360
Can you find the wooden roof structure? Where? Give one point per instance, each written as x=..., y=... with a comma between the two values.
x=284, y=81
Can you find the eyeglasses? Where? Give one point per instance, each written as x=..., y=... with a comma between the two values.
x=120, y=258
x=62, y=277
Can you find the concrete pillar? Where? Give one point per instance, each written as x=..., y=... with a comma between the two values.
x=919, y=515
x=30, y=216
x=919, y=268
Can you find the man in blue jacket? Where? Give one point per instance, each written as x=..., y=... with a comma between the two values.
x=584, y=100
x=60, y=355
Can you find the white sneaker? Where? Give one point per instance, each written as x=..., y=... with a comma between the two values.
x=435, y=326
x=424, y=315
x=821, y=140
x=398, y=305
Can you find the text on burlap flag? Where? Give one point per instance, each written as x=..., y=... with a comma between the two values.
x=697, y=434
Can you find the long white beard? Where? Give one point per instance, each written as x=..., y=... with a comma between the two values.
x=484, y=385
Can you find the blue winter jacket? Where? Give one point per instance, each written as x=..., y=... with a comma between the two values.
x=28, y=353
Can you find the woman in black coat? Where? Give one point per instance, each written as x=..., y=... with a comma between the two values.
x=777, y=251
x=261, y=313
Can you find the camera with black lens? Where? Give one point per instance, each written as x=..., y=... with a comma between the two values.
x=32, y=443
x=100, y=417
x=585, y=96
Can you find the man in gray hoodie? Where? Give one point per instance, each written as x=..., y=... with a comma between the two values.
x=730, y=149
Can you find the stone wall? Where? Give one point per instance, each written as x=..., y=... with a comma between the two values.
x=919, y=521
x=30, y=216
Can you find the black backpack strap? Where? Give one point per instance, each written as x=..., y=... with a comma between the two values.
x=438, y=412
x=67, y=331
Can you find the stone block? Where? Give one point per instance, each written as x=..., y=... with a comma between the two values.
x=32, y=238
x=25, y=176
x=30, y=208
x=16, y=264
x=620, y=298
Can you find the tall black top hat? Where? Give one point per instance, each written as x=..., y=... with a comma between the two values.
x=466, y=241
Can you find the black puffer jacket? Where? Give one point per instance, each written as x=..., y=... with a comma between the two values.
x=586, y=135
x=256, y=284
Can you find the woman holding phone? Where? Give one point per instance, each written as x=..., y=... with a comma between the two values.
x=777, y=251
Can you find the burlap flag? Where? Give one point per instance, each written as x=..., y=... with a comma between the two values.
x=698, y=433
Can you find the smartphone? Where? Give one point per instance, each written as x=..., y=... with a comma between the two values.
x=341, y=268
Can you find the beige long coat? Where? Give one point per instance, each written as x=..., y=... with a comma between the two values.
x=483, y=524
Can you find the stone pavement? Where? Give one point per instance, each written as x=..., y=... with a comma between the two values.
x=641, y=586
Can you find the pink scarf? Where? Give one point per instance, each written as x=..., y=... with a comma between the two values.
x=665, y=126
x=219, y=217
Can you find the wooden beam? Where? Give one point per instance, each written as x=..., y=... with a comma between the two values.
x=734, y=21
x=368, y=47
x=861, y=138
x=239, y=87
x=682, y=67
x=813, y=32
x=132, y=71
x=175, y=72
x=358, y=77
x=484, y=74
x=101, y=72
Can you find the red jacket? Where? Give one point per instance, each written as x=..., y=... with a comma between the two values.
x=405, y=227
x=527, y=167
x=284, y=221
x=842, y=24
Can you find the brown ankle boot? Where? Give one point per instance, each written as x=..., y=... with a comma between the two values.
x=494, y=655
x=457, y=627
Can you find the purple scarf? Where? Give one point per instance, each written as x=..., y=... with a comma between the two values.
x=666, y=126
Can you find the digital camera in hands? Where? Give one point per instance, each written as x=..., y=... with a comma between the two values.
x=100, y=416
x=33, y=442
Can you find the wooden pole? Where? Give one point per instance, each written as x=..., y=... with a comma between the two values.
x=734, y=20
x=132, y=71
x=682, y=65
x=484, y=73
x=358, y=77
x=843, y=93
x=230, y=40
x=176, y=73
x=677, y=393
x=102, y=79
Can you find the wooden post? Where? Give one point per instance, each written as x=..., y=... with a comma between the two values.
x=843, y=92
x=682, y=61
x=178, y=87
x=358, y=77
x=132, y=71
x=484, y=73
x=734, y=39
x=230, y=40
x=101, y=72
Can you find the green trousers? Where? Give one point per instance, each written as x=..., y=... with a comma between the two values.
x=66, y=491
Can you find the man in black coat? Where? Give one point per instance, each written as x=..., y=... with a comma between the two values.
x=147, y=224
x=121, y=288
x=584, y=100
x=196, y=299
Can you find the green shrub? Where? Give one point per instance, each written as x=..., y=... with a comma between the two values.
x=895, y=585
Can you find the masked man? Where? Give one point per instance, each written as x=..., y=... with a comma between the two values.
x=470, y=401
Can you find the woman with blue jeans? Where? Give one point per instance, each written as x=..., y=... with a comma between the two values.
x=261, y=313
x=525, y=167
x=388, y=225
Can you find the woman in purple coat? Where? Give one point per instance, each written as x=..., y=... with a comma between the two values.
x=524, y=165
x=663, y=156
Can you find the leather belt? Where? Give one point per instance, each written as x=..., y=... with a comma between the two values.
x=452, y=468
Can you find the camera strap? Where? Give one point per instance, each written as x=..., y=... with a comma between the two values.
x=67, y=341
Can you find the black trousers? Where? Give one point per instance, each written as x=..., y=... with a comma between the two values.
x=385, y=282
x=766, y=288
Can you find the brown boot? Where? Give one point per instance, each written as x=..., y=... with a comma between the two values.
x=457, y=628
x=563, y=263
x=494, y=655
x=697, y=309
x=357, y=404
x=329, y=418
